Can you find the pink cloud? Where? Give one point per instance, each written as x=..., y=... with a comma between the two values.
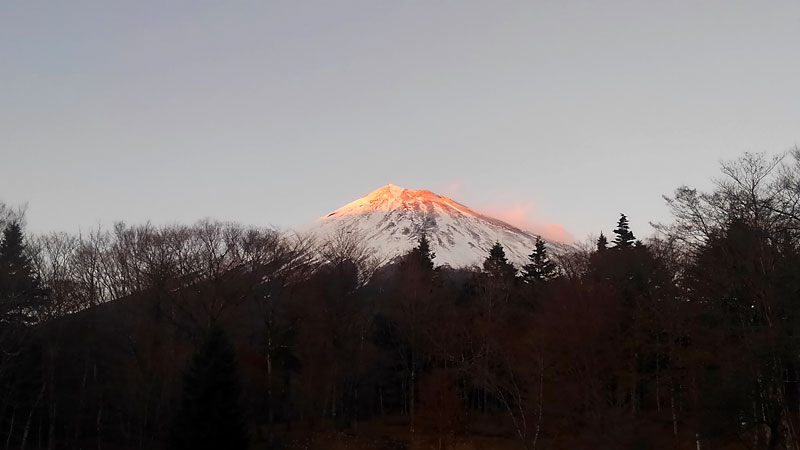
x=453, y=189
x=522, y=215
x=507, y=207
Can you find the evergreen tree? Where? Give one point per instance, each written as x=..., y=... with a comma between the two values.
x=21, y=291
x=497, y=266
x=210, y=415
x=541, y=268
x=625, y=237
x=422, y=254
x=602, y=242
x=21, y=297
x=411, y=311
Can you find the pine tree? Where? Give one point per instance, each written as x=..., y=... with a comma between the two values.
x=497, y=266
x=625, y=237
x=602, y=242
x=21, y=291
x=210, y=415
x=540, y=268
x=21, y=297
x=422, y=254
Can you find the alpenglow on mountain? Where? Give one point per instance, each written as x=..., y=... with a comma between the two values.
x=391, y=219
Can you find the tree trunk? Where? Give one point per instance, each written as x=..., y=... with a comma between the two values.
x=81, y=397
x=540, y=406
x=51, y=395
x=658, y=383
x=98, y=423
x=674, y=415
x=11, y=427
x=380, y=399
x=270, y=414
x=411, y=406
x=333, y=402
x=30, y=417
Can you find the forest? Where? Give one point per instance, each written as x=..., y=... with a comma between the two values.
x=224, y=336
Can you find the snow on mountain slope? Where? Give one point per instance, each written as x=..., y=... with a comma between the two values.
x=392, y=218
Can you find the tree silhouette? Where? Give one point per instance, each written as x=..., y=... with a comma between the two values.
x=541, y=268
x=21, y=292
x=602, y=242
x=210, y=415
x=422, y=254
x=496, y=265
x=625, y=237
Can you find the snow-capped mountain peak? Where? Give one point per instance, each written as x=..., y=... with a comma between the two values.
x=392, y=218
x=391, y=197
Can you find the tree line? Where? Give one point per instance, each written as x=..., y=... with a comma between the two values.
x=217, y=335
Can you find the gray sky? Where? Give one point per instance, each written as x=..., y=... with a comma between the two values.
x=274, y=113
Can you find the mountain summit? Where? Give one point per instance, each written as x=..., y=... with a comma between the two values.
x=391, y=219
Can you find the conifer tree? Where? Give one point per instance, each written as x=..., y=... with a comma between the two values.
x=540, y=268
x=210, y=415
x=417, y=274
x=21, y=291
x=497, y=266
x=625, y=237
x=422, y=253
x=602, y=242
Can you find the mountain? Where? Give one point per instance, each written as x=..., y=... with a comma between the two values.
x=391, y=219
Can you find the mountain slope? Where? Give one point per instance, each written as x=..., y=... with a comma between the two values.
x=392, y=218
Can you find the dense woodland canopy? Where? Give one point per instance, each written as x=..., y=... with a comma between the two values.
x=217, y=335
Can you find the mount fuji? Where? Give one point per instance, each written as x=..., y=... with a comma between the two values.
x=391, y=219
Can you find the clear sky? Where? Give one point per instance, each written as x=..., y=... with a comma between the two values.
x=274, y=113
